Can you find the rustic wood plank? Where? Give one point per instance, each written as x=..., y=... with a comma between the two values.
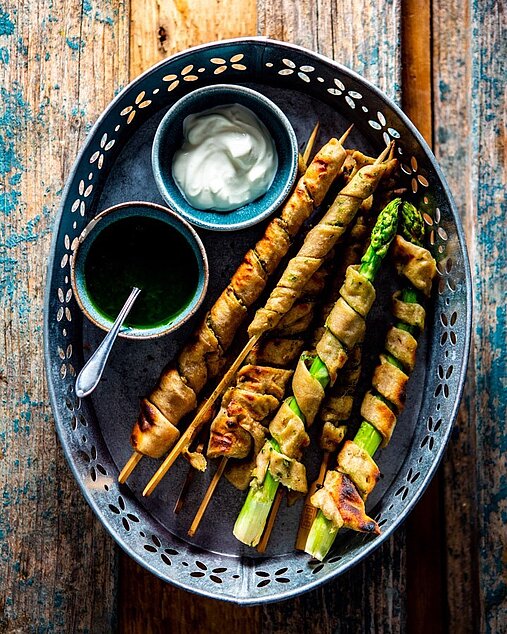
x=159, y=29
x=469, y=72
x=370, y=598
x=365, y=36
x=149, y=606
x=146, y=604
x=417, y=78
x=60, y=64
x=426, y=606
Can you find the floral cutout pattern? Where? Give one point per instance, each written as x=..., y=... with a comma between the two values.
x=290, y=68
x=186, y=74
x=416, y=179
x=80, y=202
x=388, y=134
x=221, y=64
x=140, y=102
x=105, y=146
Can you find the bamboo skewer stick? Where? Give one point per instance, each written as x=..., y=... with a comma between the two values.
x=207, y=498
x=136, y=456
x=188, y=481
x=311, y=140
x=195, y=425
x=130, y=465
x=263, y=544
x=309, y=512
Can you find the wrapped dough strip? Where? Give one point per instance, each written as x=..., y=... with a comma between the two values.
x=309, y=382
x=202, y=358
x=337, y=406
x=317, y=244
x=385, y=401
x=236, y=432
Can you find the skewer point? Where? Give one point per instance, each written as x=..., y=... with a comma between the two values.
x=130, y=465
x=383, y=154
x=311, y=141
x=344, y=136
x=207, y=497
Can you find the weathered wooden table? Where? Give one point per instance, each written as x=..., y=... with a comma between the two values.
x=61, y=62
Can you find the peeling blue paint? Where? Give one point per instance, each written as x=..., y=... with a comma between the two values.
x=75, y=43
x=4, y=55
x=104, y=19
x=6, y=24
x=22, y=48
x=15, y=111
x=444, y=90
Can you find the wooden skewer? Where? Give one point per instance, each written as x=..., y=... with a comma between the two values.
x=213, y=484
x=309, y=512
x=130, y=465
x=195, y=425
x=310, y=143
x=380, y=158
x=344, y=136
x=188, y=481
x=206, y=499
x=263, y=544
x=391, y=152
x=136, y=456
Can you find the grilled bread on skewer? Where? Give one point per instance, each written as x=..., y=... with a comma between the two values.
x=385, y=401
x=203, y=357
x=183, y=444
x=279, y=461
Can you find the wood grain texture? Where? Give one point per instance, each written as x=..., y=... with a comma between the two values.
x=470, y=142
x=60, y=64
x=149, y=606
x=417, y=78
x=161, y=28
x=370, y=598
x=366, y=37
x=426, y=599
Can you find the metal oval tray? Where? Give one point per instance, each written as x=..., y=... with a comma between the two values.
x=114, y=166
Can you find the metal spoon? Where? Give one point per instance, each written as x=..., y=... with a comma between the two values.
x=89, y=376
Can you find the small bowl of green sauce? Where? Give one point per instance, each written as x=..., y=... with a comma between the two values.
x=145, y=245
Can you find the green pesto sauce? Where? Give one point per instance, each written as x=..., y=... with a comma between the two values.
x=149, y=254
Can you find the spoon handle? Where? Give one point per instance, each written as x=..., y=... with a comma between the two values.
x=91, y=372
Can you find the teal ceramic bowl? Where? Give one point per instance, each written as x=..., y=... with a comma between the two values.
x=169, y=138
x=185, y=234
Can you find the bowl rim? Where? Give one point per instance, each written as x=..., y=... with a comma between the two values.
x=121, y=540
x=139, y=334
x=284, y=192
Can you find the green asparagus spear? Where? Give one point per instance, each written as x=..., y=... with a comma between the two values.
x=252, y=518
x=322, y=534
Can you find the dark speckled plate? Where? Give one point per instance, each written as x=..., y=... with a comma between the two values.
x=114, y=166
